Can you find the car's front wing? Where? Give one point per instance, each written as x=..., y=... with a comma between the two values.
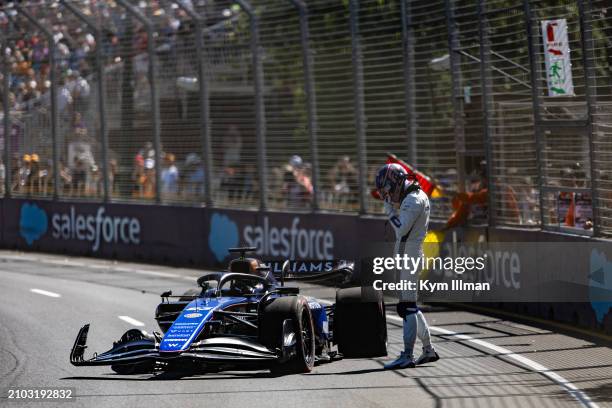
x=216, y=350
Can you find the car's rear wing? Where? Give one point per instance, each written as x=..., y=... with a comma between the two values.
x=303, y=270
x=340, y=271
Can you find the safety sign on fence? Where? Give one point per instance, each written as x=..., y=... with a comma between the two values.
x=557, y=58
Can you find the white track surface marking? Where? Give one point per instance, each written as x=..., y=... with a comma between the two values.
x=46, y=293
x=131, y=321
x=146, y=272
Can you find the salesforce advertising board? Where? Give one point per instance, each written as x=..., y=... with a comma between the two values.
x=90, y=228
x=132, y=232
x=190, y=236
x=96, y=229
x=282, y=235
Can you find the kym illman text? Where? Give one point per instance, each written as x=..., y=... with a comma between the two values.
x=456, y=285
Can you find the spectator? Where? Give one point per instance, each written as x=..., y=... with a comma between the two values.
x=80, y=154
x=112, y=175
x=193, y=176
x=148, y=188
x=65, y=178
x=33, y=182
x=169, y=176
x=16, y=165
x=44, y=176
x=79, y=89
x=79, y=176
x=250, y=186
x=233, y=178
x=138, y=176
x=78, y=125
x=575, y=209
x=528, y=201
x=297, y=183
x=94, y=181
x=343, y=178
x=64, y=97
x=2, y=176
x=471, y=205
x=24, y=173
x=479, y=211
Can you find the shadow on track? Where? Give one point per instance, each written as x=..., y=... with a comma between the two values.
x=171, y=376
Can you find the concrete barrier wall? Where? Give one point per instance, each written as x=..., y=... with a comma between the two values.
x=200, y=237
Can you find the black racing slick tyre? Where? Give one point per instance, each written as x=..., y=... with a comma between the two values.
x=134, y=368
x=272, y=318
x=131, y=369
x=360, y=325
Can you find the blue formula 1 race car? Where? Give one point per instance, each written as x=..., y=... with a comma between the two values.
x=245, y=318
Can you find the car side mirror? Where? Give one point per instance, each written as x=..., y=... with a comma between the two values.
x=166, y=295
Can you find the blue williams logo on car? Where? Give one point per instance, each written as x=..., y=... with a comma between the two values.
x=33, y=222
x=223, y=235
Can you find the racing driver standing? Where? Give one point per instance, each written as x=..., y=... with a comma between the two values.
x=410, y=224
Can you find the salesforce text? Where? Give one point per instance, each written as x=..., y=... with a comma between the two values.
x=290, y=242
x=98, y=228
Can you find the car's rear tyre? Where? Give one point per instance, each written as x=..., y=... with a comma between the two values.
x=360, y=325
x=272, y=318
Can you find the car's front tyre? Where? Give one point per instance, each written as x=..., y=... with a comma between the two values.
x=143, y=367
x=275, y=333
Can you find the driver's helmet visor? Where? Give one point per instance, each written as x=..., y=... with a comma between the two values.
x=387, y=183
x=386, y=188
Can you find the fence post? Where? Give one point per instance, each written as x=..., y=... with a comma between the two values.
x=535, y=100
x=6, y=72
x=586, y=36
x=101, y=94
x=357, y=61
x=311, y=101
x=260, y=110
x=456, y=93
x=409, y=80
x=486, y=86
x=130, y=9
x=53, y=94
x=204, y=100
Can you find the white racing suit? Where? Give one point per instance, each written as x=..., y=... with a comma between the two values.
x=410, y=224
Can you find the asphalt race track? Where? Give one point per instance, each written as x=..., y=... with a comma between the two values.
x=486, y=361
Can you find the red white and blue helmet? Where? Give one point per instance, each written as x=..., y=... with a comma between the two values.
x=389, y=181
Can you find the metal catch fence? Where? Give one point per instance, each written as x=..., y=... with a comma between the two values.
x=293, y=104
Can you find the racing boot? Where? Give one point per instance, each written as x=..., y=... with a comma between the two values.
x=429, y=356
x=403, y=361
x=324, y=356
